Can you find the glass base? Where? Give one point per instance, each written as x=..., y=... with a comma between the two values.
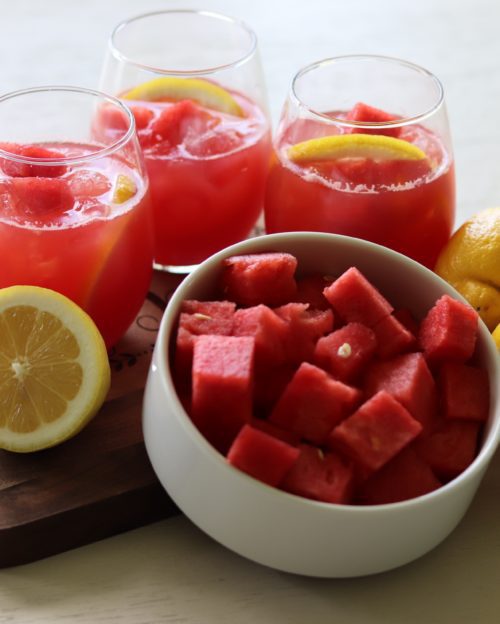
x=175, y=269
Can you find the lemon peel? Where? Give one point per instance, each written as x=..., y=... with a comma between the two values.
x=374, y=146
x=470, y=262
x=175, y=89
x=54, y=369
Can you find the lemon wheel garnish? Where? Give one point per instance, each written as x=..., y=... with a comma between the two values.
x=125, y=189
x=174, y=89
x=374, y=146
x=54, y=369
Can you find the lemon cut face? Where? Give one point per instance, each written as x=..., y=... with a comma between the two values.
x=373, y=146
x=54, y=369
x=174, y=89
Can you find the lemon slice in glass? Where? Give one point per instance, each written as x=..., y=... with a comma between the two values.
x=175, y=89
x=374, y=146
x=125, y=188
x=54, y=369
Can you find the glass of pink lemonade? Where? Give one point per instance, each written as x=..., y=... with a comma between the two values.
x=194, y=84
x=74, y=207
x=363, y=149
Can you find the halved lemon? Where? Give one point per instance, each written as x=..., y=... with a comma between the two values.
x=175, y=89
x=374, y=146
x=54, y=369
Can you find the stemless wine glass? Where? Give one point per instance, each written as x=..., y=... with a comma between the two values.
x=74, y=213
x=363, y=149
x=194, y=83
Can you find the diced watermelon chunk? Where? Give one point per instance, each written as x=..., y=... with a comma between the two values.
x=345, y=352
x=370, y=114
x=450, y=447
x=404, y=477
x=304, y=328
x=310, y=290
x=269, y=331
x=41, y=198
x=198, y=318
x=27, y=170
x=369, y=173
x=376, y=432
x=325, y=477
x=266, y=278
x=222, y=387
x=356, y=300
x=449, y=331
x=277, y=432
x=211, y=309
x=313, y=403
x=465, y=391
x=406, y=318
x=392, y=337
x=269, y=385
x=112, y=118
x=409, y=380
x=262, y=456
x=142, y=116
x=86, y=183
x=179, y=120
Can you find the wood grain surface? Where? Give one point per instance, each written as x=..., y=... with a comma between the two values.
x=100, y=482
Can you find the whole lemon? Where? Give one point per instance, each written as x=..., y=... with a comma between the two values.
x=470, y=262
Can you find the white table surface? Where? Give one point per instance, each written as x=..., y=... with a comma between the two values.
x=170, y=571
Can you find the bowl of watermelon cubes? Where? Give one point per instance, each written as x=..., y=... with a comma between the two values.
x=320, y=404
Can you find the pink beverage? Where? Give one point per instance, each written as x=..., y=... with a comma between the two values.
x=194, y=83
x=407, y=205
x=75, y=218
x=363, y=149
x=207, y=172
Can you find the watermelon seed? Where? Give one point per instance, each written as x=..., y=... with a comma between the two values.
x=203, y=317
x=344, y=351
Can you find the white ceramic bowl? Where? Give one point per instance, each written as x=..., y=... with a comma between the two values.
x=270, y=526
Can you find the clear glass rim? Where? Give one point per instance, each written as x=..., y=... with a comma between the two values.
x=115, y=51
x=364, y=124
x=99, y=153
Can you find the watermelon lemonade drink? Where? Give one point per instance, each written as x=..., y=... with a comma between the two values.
x=74, y=213
x=363, y=149
x=198, y=100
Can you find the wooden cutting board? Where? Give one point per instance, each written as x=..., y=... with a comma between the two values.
x=99, y=483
